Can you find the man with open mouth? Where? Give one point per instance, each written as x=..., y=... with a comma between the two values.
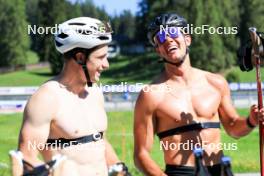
x=184, y=105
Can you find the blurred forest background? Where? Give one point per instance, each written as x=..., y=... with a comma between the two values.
x=210, y=52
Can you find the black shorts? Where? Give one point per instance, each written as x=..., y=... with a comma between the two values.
x=175, y=170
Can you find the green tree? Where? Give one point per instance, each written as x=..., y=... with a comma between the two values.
x=31, y=12
x=142, y=20
x=214, y=52
x=124, y=26
x=115, y=23
x=50, y=13
x=127, y=24
x=229, y=12
x=73, y=10
x=251, y=15
x=14, y=41
x=90, y=10
x=207, y=50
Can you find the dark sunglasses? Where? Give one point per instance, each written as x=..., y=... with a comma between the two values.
x=172, y=32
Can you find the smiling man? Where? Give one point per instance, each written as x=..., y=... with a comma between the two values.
x=67, y=114
x=184, y=105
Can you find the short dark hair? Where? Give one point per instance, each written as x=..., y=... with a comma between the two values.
x=71, y=54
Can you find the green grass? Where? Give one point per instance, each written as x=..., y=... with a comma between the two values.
x=9, y=129
x=122, y=69
x=120, y=135
x=245, y=76
x=25, y=78
x=133, y=69
x=130, y=69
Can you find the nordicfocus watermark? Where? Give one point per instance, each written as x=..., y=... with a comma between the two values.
x=41, y=30
x=200, y=30
x=122, y=87
x=191, y=145
x=137, y=87
x=59, y=145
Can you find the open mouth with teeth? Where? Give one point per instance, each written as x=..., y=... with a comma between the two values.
x=172, y=48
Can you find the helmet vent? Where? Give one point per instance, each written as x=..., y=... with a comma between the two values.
x=77, y=24
x=103, y=38
x=62, y=35
x=95, y=28
x=84, y=32
x=58, y=44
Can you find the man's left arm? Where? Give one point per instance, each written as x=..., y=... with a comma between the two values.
x=235, y=125
x=115, y=166
x=110, y=155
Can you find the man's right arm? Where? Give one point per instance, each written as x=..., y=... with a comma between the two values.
x=144, y=135
x=38, y=114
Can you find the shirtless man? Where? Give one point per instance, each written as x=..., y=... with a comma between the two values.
x=188, y=102
x=67, y=114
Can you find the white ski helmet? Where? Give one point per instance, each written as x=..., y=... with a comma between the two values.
x=82, y=32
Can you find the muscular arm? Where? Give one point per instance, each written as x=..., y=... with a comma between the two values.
x=144, y=135
x=111, y=157
x=234, y=125
x=34, y=132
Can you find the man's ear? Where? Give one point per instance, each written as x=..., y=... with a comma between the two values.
x=188, y=40
x=80, y=57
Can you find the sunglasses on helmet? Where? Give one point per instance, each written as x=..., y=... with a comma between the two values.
x=105, y=27
x=172, y=32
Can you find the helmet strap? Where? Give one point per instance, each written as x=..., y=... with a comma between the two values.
x=85, y=70
x=172, y=63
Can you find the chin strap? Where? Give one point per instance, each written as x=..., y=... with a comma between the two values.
x=85, y=70
x=172, y=63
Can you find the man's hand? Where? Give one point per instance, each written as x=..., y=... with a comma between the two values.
x=118, y=169
x=256, y=115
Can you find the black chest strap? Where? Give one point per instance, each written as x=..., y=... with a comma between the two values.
x=62, y=142
x=186, y=128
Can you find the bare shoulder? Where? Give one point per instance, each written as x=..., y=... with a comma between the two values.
x=152, y=94
x=97, y=90
x=97, y=93
x=47, y=91
x=217, y=80
x=44, y=102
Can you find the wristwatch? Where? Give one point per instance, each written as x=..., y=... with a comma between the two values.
x=249, y=124
x=118, y=167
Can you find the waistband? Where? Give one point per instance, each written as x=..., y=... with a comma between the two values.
x=179, y=170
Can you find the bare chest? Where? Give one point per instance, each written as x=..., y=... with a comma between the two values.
x=197, y=103
x=78, y=117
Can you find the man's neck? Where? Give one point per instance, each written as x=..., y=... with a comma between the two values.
x=180, y=73
x=69, y=79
